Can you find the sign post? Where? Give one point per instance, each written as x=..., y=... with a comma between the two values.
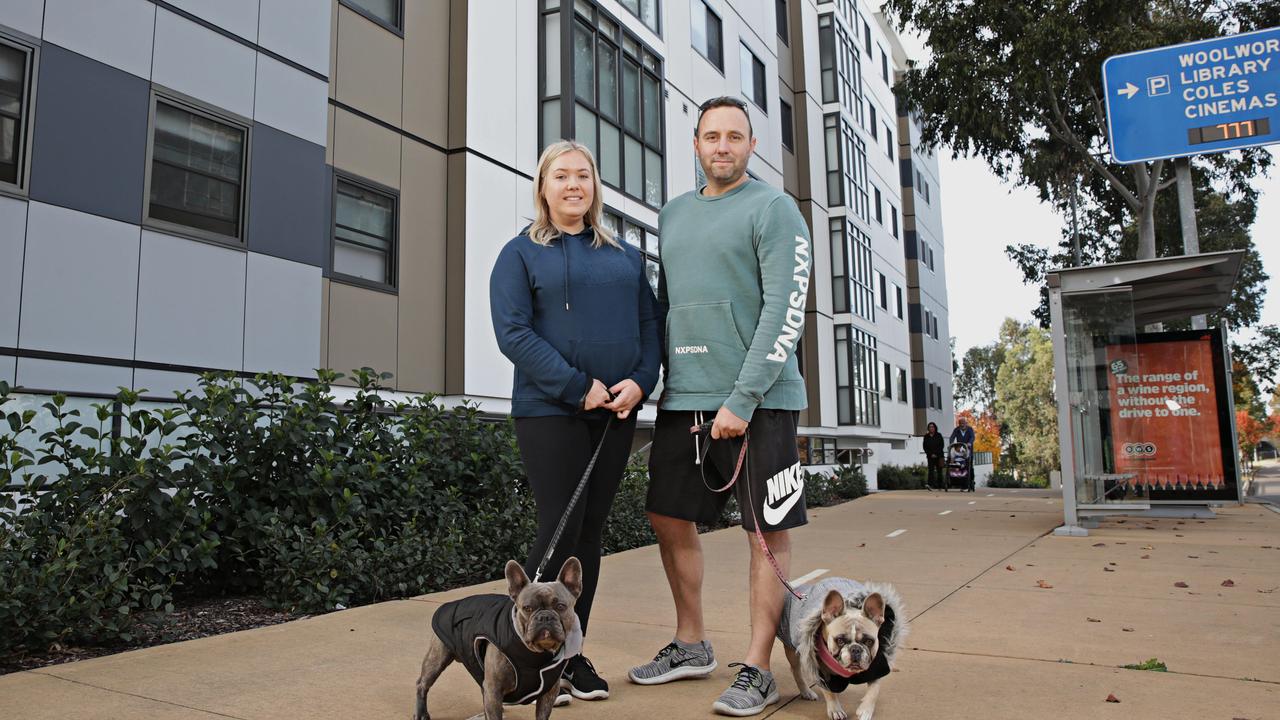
x=1200, y=97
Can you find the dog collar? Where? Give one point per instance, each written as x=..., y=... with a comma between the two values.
x=827, y=659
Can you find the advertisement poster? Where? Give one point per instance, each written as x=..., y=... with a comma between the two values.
x=1166, y=411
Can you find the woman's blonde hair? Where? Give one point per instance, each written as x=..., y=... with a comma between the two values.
x=542, y=231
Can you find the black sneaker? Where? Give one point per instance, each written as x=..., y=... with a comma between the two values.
x=582, y=680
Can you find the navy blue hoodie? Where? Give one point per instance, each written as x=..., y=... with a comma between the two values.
x=568, y=312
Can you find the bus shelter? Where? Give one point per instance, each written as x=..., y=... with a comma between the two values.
x=1146, y=422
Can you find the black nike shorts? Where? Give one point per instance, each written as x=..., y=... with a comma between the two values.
x=771, y=479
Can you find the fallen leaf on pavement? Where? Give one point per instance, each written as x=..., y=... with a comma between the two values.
x=1268, y=590
x=1099, y=544
x=1031, y=564
x=1008, y=567
x=1127, y=629
x=1043, y=584
x=1228, y=583
x=1181, y=584
x=1093, y=619
x=1177, y=535
x=1122, y=543
x=1147, y=547
x=1112, y=699
x=1111, y=563
x=1146, y=557
x=1107, y=569
x=862, y=544
x=1194, y=557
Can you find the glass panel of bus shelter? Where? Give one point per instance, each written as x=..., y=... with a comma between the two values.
x=1102, y=368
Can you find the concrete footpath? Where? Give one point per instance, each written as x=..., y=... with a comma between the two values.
x=1008, y=622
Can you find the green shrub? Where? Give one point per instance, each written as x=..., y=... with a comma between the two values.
x=1003, y=479
x=894, y=477
x=846, y=482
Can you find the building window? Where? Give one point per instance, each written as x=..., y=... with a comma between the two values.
x=196, y=179
x=857, y=379
x=16, y=77
x=884, y=290
x=840, y=66
x=879, y=205
x=646, y=10
x=887, y=383
x=893, y=219
x=884, y=66
x=852, y=279
x=707, y=33
x=817, y=450
x=364, y=232
x=871, y=118
x=866, y=34
x=888, y=140
x=902, y=385
x=641, y=238
x=788, y=127
x=935, y=327
x=783, y=33
x=753, y=77
x=616, y=109
x=846, y=166
x=897, y=291
x=387, y=13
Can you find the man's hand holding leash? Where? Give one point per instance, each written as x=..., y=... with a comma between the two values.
x=727, y=425
x=626, y=395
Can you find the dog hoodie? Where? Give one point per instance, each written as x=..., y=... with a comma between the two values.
x=802, y=618
x=470, y=625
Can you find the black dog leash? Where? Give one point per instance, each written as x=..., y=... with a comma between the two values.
x=577, y=493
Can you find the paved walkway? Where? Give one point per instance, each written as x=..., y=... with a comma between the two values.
x=987, y=640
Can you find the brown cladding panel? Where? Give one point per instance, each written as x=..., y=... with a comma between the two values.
x=362, y=329
x=423, y=280
x=426, y=71
x=369, y=67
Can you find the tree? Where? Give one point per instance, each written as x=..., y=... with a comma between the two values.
x=1018, y=83
x=976, y=380
x=1024, y=394
x=986, y=433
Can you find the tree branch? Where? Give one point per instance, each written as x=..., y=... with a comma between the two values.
x=1059, y=128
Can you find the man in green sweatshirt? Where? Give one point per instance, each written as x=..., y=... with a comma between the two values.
x=734, y=280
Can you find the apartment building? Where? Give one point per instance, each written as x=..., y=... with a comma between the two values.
x=283, y=185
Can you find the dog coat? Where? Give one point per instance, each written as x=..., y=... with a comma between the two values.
x=470, y=625
x=801, y=620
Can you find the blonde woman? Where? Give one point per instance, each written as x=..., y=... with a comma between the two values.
x=573, y=311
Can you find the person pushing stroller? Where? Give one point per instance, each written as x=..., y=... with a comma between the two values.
x=962, y=435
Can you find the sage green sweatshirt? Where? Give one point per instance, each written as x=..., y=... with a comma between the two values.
x=734, y=282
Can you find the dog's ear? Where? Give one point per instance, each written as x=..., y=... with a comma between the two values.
x=832, y=606
x=873, y=608
x=516, y=579
x=571, y=576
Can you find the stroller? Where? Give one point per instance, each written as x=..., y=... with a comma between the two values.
x=960, y=466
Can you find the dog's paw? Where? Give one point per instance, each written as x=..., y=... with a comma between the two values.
x=866, y=713
x=837, y=713
x=808, y=694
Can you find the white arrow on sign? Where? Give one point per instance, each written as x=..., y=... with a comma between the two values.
x=1129, y=90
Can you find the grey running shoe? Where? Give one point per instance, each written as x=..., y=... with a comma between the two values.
x=674, y=663
x=751, y=692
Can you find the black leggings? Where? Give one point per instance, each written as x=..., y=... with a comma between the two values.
x=556, y=451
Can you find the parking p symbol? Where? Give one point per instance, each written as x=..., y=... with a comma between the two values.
x=1158, y=85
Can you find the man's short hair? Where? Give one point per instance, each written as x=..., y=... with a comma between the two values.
x=719, y=102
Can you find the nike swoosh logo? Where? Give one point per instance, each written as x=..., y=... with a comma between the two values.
x=775, y=515
x=678, y=663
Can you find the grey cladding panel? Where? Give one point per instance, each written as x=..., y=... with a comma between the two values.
x=90, y=137
x=288, y=187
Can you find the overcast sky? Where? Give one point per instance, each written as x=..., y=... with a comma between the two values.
x=980, y=216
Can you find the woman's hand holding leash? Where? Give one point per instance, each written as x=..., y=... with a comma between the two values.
x=625, y=396
x=597, y=396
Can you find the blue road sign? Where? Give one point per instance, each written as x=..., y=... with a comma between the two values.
x=1199, y=97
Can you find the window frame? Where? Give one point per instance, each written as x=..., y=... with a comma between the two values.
x=899, y=301
x=657, y=5
x=567, y=99
x=788, y=128
x=25, y=122
x=903, y=385
x=761, y=102
x=393, y=251
x=860, y=350
x=717, y=64
x=782, y=22
x=397, y=27
x=186, y=103
x=646, y=254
